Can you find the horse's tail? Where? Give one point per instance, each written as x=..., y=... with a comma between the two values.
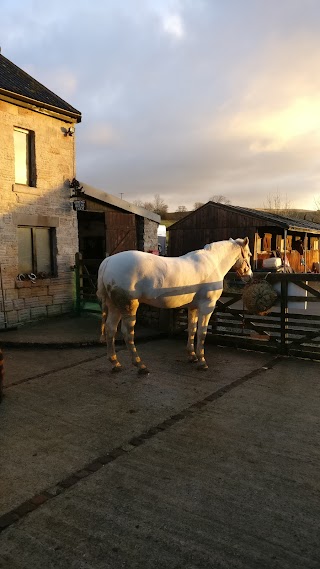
x=102, y=294
x=101, y=290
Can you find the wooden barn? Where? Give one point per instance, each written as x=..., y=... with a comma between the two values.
x=296, y=240
x=108, y=224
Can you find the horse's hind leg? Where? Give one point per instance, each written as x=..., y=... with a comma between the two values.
x=127, y=327
x=192, y=328
x=111, y=324
x=104, y=308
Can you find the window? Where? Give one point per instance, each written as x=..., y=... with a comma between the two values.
x=24, y=157
x=35, y=251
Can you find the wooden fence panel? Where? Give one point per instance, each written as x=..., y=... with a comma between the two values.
x=292, y=327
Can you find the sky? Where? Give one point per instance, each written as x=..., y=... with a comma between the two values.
x=182, y=98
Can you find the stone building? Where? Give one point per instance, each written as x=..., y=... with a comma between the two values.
x=38, y=226
x=41, y=230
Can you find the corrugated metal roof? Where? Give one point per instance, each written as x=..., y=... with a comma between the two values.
x=291, y=224
x=17, y=82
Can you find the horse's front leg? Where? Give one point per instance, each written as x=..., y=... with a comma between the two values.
x=127, y=327
x=192, y=328
x=201, y=336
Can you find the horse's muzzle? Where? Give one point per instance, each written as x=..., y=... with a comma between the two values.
x=247, y=278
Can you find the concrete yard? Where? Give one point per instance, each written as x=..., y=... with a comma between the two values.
x=179, y=469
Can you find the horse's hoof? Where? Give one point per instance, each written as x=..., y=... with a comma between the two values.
x=143, y=371
x=116, y=369
x=192, y=359
x=202, y=367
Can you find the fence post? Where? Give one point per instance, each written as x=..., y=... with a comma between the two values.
x=284, y=348
x=79, y=283
x=1, y=374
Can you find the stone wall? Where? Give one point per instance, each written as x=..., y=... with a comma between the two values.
x=150, y=236
x=46, y=205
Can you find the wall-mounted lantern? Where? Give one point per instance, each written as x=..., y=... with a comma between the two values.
x=76, y=193
x=70, y=131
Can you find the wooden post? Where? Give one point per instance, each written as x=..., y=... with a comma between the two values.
x=1, y=375
x=305, y=247
x=284, y=314
x=79, y=283
x=285, y=252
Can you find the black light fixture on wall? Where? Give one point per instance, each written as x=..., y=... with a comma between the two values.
x=76, y=188
x=70, y=131
x=76, y=195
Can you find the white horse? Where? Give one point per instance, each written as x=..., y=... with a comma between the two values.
x=193, y=281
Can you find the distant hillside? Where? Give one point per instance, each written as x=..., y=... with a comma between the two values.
x=172, y=217
x=306, y=214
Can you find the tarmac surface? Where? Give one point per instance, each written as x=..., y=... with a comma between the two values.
x=178, y=469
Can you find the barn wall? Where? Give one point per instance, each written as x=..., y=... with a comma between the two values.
x=125, y=230
x=214, y=223
x=208, y=224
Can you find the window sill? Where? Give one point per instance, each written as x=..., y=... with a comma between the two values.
x=33, y=284
x=22, y=189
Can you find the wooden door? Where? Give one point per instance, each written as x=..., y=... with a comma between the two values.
x=120, y=231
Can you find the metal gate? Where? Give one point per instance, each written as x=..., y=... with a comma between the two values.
x=86, y=287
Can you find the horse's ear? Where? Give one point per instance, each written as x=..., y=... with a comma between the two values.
x=245, y=241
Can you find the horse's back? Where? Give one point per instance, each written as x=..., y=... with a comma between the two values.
x=127, y=268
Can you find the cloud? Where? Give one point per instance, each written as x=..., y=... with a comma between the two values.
x=101, y=135
x=185, y=99
x=173, y=25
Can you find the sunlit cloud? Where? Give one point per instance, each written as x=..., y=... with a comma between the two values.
x=182, y=98
x=173, y=26
x=101, y=134
x=275, y=130
x=60, y=80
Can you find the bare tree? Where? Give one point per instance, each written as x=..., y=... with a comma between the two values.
x=196, y=205
x=158, y=205
x=277, y=204
x=220, y=198
x=182, y=208
x=317, y=202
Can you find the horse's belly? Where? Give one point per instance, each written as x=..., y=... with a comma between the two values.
x=174, y=301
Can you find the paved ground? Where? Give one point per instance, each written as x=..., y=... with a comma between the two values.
x=178, y=469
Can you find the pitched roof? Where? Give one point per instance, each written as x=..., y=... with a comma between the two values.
x=16, y=83
x=106, y=198
x=274, y=219
x=294, y=224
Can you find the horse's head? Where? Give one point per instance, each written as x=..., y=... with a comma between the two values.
x=242, y=265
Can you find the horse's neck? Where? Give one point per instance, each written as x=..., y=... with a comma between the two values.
x=227, y=254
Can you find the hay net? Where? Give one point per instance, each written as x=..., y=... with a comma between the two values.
x=259, y=296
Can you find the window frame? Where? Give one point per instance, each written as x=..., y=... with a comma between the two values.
x=31, y=177
x=52, y=250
